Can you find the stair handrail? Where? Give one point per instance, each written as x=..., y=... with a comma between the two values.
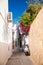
x=3, y=17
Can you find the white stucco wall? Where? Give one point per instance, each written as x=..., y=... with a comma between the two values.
x=5, y=52
x=4, y=11
x=5, y=29
x=5, y=34
x=9, y=35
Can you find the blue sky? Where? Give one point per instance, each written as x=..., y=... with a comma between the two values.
x=17, y=7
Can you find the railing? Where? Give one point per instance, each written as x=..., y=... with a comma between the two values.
x=3, y=17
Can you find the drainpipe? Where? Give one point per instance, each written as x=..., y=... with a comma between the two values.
x=13, y=39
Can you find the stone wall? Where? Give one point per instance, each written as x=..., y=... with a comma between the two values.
x=36, y=39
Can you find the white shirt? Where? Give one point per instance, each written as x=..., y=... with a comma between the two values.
x=27, y=40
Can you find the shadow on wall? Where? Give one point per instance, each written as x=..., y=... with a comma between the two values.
x=5, y=52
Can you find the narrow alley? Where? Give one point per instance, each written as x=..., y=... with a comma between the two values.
x=19, y=59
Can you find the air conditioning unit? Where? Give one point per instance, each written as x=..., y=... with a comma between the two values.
x=9, y=17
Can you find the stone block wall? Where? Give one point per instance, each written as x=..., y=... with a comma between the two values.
x=36, y=39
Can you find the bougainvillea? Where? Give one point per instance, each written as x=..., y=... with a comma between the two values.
x=24, y=29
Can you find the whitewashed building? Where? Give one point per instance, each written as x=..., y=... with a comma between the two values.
x=5, y=32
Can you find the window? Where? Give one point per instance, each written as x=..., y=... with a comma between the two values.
x=9, y=17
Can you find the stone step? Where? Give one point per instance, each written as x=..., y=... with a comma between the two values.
x=19, y=59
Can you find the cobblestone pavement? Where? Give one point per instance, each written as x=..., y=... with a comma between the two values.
x=19, y=59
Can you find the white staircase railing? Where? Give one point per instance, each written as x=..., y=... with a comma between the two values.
x=3, y=17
